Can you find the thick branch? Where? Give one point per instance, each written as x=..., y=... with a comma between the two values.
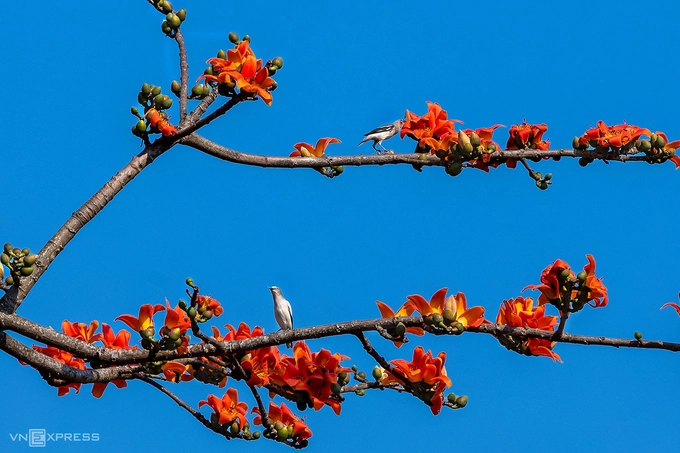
x=13, y=298
x=230, y=155
x=184, y=75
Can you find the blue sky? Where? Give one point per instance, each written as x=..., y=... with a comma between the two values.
x=336, y=246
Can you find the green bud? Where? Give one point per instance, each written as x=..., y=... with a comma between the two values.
x=189, y=281
x=342, y=376
x=659, y=142
x=165, y=27
x=182, y=304
x=582, y=276
x=638, y=335
x=208, y=71
x=156, y=91
x=235, y=428
x=167, y=6
x=2, y=272
x=4, y=258
x=361, y=375
x=140, y=127
x=454, y=168
x=437, y=318
x=278, y=62
x=575, y=144
x=191, y=312
x=400, y=330
x=452, y=398
x=271, y=70
x=134, y=110
x=338, y=170
x=207, y=314
x=167, y=102
x=565, y=273
x=158, y=100
x=30, y=260
x=361, y=392
x=233, y=37
x=246, y=38
x=26, y=271
x=16, y=252
x=458, y=328
x=475, y=141
x=182, y=14
x=256, y=435
x=175, y=87
x=377, y=373
x=462, y=401
x=221, y=54
x=543, y=185
x=335, y=388
x=355, y=368
x=197, y=91
x=9, y=281
x=282, y=433
x=141, y=98
x=175, y=334
x=146, y=89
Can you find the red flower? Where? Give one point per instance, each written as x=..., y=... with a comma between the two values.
x=405, y=310
x=228, y=409
x=81, y=331
x=260, y=364
x=521, y=312
x=67, y=359
x=430, y=128
x=111, y=341
x=160, y=122
x=528, y=136
x=425, y=370
x=303, y=149
x=615, y=136
x=145, y=319
x=283, y=415
x=176, y=318
x=206, y=303
x=671, y=304
x=439, y=303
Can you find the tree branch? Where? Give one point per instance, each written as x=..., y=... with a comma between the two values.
x=184, y=75
x=202, y=144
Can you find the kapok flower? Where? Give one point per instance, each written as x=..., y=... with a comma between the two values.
x=228, y=409
x=175, y=372
x=426, y=371
x=521, y=312
x=552, y=279
x=303, y=149
x=429, y=128
x=312, y=373
x=145, y=319
x=205, y=303
x=528, y=136
x=673, y=305
x=242, y=333
x=283, y=415
x=81, y=331
x=159, y=122
x=596, y=291
x=111, y=341
x=176, y=318
x=615, y=136
x=439, y=303
x=406, y=309
x=235, y=58
x=260, y=364
x=67, y=359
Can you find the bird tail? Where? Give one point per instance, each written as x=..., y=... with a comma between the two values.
x=363, y=141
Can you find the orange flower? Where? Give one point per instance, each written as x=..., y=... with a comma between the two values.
x=242, y=333
x=81, y=331
x=439, y=303
x=283, y=415
x=208, y=303
x=235, y=57
x=528, y=136
x=159, y=122
x=67, y=359
x=307, y=150
x=176, y=318
x=429, y=128
x=551, y=288
x=615, y=136
x=260, y=364
x=175, y=371
x=405, y=310
x=228, y=408
x=521, y=312
x=597, y=292
x=111, y=341
x=312, y=373
x=145, y=319
x=425, y=370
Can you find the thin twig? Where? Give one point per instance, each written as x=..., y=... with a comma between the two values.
x=368, y=347
x=184, y=75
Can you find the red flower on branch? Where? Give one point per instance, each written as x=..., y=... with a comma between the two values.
x=260, y=364
x=430, y=128
x=303, y=149
x=176, y=318
x=82, y=331
x=457, y=305
x=615, y=136
x=160, y=122
x=228, y=409
x=521, y=312
x=528, y=136
x=145, y=319
x=111, y=341
x=424, y=370
x=205, y=303
x=284, y=416
x=67, y=359
x=175, y=372
x=405, y=310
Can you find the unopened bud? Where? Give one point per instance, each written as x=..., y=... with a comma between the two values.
x=233, y=37
x=361, y=392
x=462, y=401
x=400, y=330
x=26, y=271
x=582, y=276
x=221, y=54
x=638, y=335
x=182, y=14
x=246, y=38
x=377, y=373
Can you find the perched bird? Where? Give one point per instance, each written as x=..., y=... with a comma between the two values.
x=382, y=133
x=283, y=312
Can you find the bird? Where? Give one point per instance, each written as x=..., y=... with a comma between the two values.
x=382, y=133
x=283, y=312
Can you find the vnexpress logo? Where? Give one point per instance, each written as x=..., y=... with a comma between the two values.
x=41, y=438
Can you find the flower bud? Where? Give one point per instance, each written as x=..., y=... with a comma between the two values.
x=400, y=330
x=182, y=14
x=355, y=368
x=146, y=89
x=30, y=260
x=454, y=168
x=462, y=401
x=335, y=388
x=361, y=375
x=4, y=258
x=246, y=38
x=167, y=102
x=165, y=27
x=234, y=428
x=582, y=276
x=175, y=87
x=475, y=140
x=437, y=318
x=449, y=317
x=175, y=334
x=197, y=90
x=134, y=110
x=167, y=6
x=233, y=37
x=282, y=433
x=191, y=312
x=9, y=281
x=361, y=392
x=26, y=271
x=207, y=314
x=256, y=435
x=377, y=373
x=221, y=54
x=452, y=398
x=542, y=185
x=155, y=90
x=638, y=335
x=278, y=62
x=659, y=142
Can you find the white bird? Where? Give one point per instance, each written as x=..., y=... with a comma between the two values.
x=283, y=312
x=382, y=133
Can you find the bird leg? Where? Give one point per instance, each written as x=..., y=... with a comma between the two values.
x=376, y=149
x=387, y=151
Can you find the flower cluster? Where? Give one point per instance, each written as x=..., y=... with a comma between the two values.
x=528, y=136
x=154, y=120
x=521, y=312
x=425, y=373
x=568, y=292
x=287, y=425
x=239, y=68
